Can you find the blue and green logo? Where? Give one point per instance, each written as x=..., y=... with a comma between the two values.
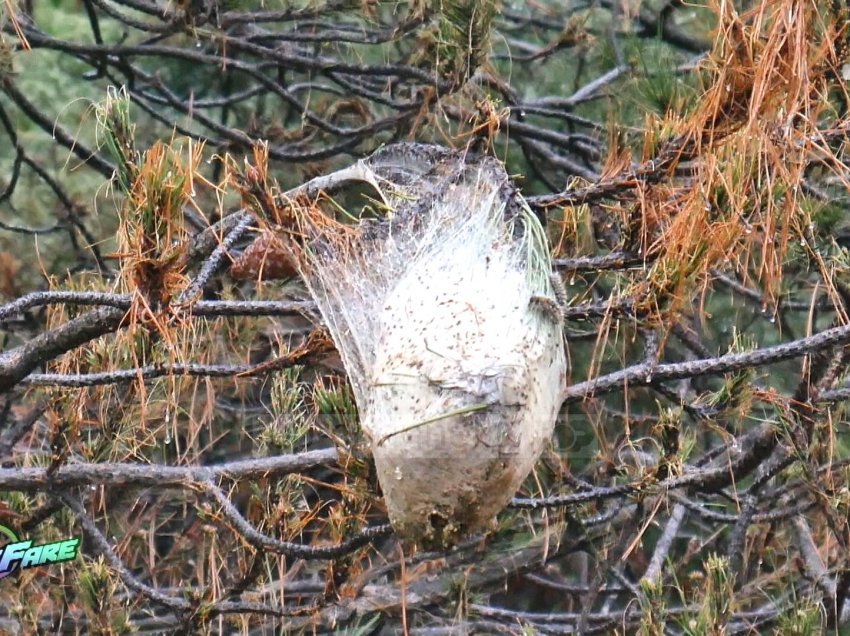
x=23, y=554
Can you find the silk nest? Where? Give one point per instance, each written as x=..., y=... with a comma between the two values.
x=443, y=311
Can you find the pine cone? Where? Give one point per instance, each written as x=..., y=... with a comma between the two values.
x=266, y=258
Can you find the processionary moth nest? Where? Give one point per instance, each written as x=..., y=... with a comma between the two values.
x=457, y=371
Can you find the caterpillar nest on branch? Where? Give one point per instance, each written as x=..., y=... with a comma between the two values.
x=442, y=314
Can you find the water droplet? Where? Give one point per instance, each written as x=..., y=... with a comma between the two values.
x=772, y=319
x=397, y=473
x=649, y=377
